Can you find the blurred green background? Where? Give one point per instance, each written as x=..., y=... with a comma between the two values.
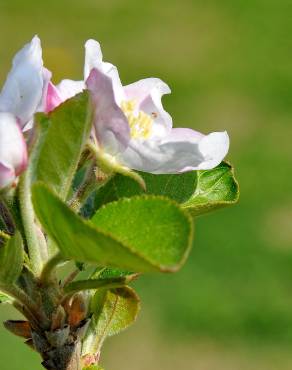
x=229, y=66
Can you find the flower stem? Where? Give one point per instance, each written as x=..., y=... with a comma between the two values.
x=89, y=184
x=28, y=219
x=49, y=268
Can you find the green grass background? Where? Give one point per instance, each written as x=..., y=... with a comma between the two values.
x=229, y=66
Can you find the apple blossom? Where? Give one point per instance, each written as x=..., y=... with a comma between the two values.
x=20, y=98
x=63, y=209
x=131, y=128
x=132, y=125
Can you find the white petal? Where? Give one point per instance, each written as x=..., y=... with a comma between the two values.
x=141, y=89
x=110, y=124
x=69, y=88
x=22, y=91
x=13, y=153
x=147, y=94
x=93, y=59
x=214, y=147
x=111, y=71
x=182, y=150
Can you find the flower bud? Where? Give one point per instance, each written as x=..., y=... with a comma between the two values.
x=13, y=152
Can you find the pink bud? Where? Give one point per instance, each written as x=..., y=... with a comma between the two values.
x=13, y=152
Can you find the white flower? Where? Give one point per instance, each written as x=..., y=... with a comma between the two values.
x=131, y=124
x=131, y=127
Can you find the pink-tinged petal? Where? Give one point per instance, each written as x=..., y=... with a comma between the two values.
x=93, y=59
x=111, y=127
x=182, y=150
x=65, y=90
x=7, y=176
x=22, y=91
x=47, y=76
x=53, y=98
x=147, y=94
x=13, y=151
x=48, y=93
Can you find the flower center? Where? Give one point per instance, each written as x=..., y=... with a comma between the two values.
x=140, y=123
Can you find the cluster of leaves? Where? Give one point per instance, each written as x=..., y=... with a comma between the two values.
x=120, y=228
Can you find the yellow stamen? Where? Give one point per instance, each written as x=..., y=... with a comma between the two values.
x=140, y=123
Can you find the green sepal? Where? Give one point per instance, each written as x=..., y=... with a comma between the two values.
x=110, y=165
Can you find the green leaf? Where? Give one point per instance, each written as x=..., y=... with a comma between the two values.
x=154, y=226
x=141, y=234
x=65, y=132
x=177, y=187
x=11, y=260
x=113, y=311
x=198, y=191
x=215, y=189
